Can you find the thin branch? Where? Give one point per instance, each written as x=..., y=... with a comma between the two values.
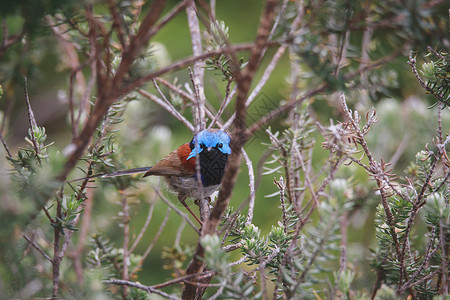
x=117, y=22
x=184, y=278
x=180, y=229
x=56, y=257
x=219, y=292
x=198, y=71
x=148, y=289
x=380, y=177
x=150, y=246
x=8, y=40
x=144, y=227
x=228, y=97
x=36, y=246
x=175, y=89
x=251, y=184
x=172, y=206
x=126, y=239
x=168, y=107
x=5, y=145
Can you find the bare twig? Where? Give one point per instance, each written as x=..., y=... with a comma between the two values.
x=148, y=289
x=150, y=246
x=172, y=206
x=8, y=40
x=179, y=232
x=223, y=105
x=56, y=252
x=36, y=246
x=5, y=145
x=144, y=227
x=126, y=239
x=198, y=71
x=168, y=107
x=251, y=184
x=117, y=22
x=76, y=254
x=175, y=89
x=184, y=278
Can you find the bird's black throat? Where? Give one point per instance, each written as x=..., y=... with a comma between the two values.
x=212, y=166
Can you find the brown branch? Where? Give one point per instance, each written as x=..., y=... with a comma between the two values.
x=36, y=246
x=172, y=206
x=167, y=106
x=117, y=22
x=56, y=257
x=5, y=145
x=144, y=227
x=8, y=40
x=150, y=247
x=198, y=70
x=148, y=289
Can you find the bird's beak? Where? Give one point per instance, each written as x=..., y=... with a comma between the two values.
x=209, y=149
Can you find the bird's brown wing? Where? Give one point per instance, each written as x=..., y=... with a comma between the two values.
x=169, y=166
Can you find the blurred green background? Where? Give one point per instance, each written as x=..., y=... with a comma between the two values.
x=148, y=132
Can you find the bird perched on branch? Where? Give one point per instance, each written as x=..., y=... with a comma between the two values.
x=194, y=170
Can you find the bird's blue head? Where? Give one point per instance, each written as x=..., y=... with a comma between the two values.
x=209, y=139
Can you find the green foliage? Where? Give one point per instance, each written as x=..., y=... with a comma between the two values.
x=217, y=38
x=71, y=207
x=437, y=74
x=393, y=236
x=32, y=170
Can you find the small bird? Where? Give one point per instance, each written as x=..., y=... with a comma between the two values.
x=211, y=147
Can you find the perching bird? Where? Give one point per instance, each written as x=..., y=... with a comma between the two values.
x=211, y=146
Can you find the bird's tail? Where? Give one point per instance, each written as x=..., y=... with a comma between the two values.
x=115, y=174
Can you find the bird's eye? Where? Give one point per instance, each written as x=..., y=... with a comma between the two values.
x=202, y=146
x=220, y=145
